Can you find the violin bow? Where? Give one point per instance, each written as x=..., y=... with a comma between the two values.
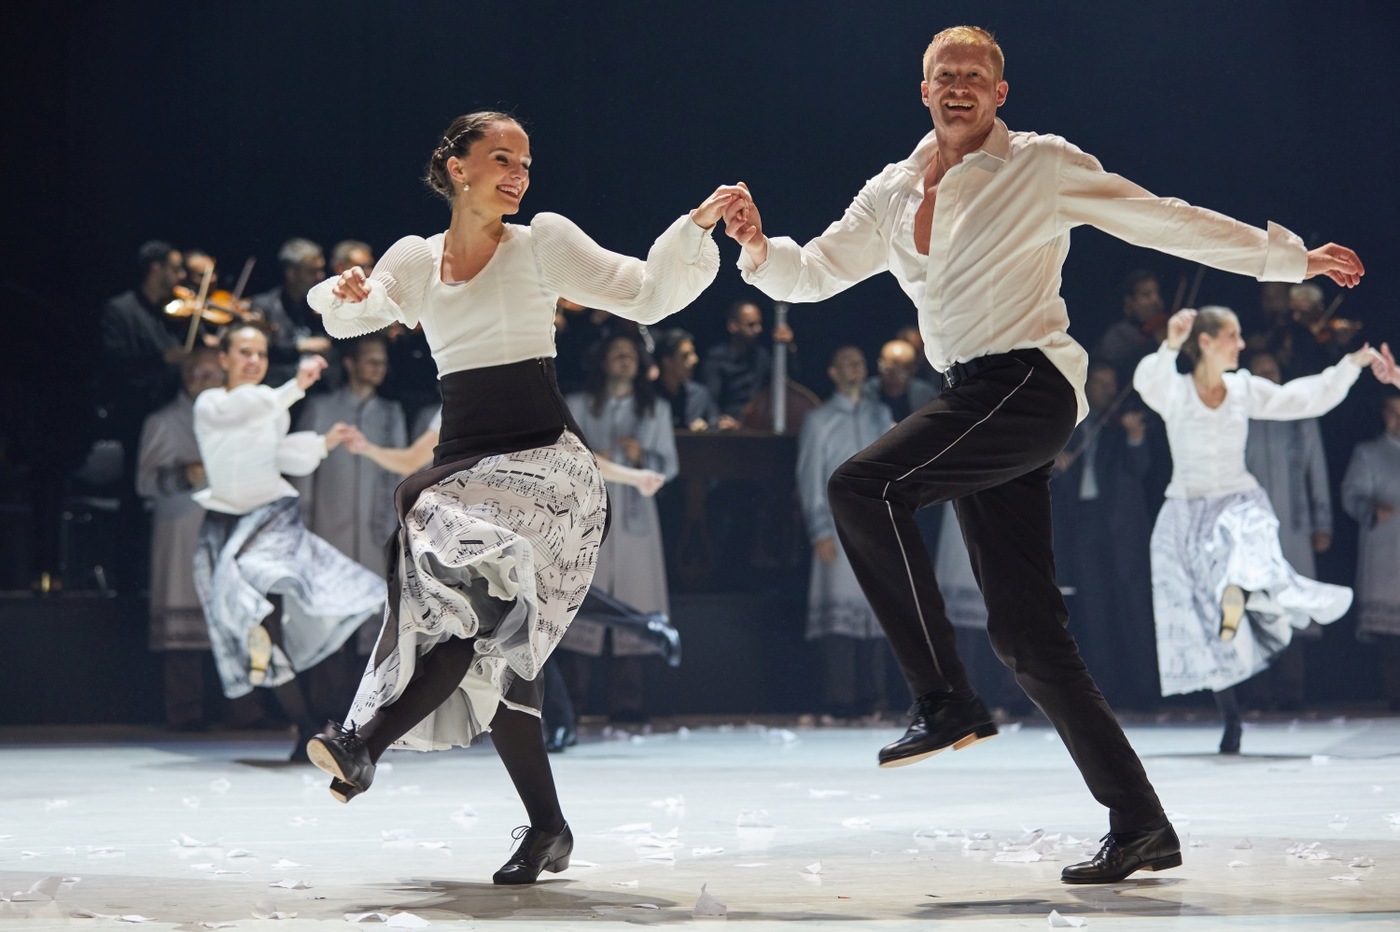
x=197, y=314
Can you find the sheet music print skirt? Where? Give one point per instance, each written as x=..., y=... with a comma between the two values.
x=242, y=558
x=1201, y=545
x=502, y=550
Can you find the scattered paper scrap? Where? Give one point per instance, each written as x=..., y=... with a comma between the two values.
x=703, y=852
x=220, y=785
x=645, y=906
x=190, y=802
x=631, y=828
x=815, y=793
x=1362, y=862
x=1065, y=922
x=1346, y=877
x=708, y=907
x=1244, y=844
x=240, y=853
x=186, y=841
x=291, y=884
x=1238, y=864
x=299, y=821
x=436, y=845
x=814, y=868
x=268, y=911
x=407, y=921
x=285, y=865
x=1018, y=856
x=624, y=883
x=753, y=818
x=45, y=889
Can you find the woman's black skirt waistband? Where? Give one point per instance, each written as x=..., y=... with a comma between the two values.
x=501, y=409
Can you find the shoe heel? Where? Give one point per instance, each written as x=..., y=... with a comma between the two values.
x=1163, y=863
x=558, y=864
x=322, y=758
x=259, y=654
x=979, y=734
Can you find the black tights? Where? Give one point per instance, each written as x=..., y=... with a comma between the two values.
x=516, y=735
x=289, y=694
x=1229, y=706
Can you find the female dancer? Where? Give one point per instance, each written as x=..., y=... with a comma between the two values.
x=498, y=540
x=277, y=598
x=1216, y=559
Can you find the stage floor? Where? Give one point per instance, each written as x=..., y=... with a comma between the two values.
x=788, y=827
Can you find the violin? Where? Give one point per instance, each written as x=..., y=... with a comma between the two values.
x=219, y=308
x=187, y=304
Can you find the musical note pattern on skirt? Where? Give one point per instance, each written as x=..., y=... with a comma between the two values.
x=502, y=552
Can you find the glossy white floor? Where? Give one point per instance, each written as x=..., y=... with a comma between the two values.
x=787, y=828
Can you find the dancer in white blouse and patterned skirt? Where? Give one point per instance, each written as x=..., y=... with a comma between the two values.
x=498, y=539
x=278, y=599
x=1224, y=598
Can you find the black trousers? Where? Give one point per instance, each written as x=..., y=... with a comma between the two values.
x=987, y=445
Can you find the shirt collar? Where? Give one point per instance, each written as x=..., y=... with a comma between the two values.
x=997, y=147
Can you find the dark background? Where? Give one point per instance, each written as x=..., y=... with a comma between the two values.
x=234, y=126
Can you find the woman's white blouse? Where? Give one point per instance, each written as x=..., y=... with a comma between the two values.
x=1207, y=444
x=505, y=313
x=245, y=447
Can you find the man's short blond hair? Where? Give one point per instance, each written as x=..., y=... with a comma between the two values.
x=966, y=35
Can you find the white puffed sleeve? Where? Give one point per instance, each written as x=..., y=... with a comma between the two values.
x=680, y=264
x=396, y=291
x=1305, y=397
x=299, y=453
x=1155, y=377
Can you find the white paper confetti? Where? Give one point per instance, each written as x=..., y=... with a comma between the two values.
x=285, y=865
x=220, y=785
x=814, y=868
x=186, y=841
x=1065, y=922
x=631, y=828
x=1018, y=856
x=395, y=834
x=240, y=853
x=361, y=917
x=45, y=889
x=1346, y=877
x=1244, y=844
x=650, y=855
x=436, y=845
x=705, y=852
x=190, y=802
x=625, y=883
x=1238, y=864
x=707, y=907
x=299, y=821
x=815, y=793
x=753, y=818
x=268, y=911
x=1362, y=862
x=291, y=884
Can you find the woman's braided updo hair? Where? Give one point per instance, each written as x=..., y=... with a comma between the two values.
x=458, y=138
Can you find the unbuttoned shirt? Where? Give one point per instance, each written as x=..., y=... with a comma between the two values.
x=991, y=281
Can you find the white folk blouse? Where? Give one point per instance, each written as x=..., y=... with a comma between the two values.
x=991, y=280
x=245, y=447
x=505, y=313
x=1208, y=444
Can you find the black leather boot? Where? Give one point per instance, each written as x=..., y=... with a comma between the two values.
x=538, y=851
x=1125, y=852
x=936, y=722
x=341, y=752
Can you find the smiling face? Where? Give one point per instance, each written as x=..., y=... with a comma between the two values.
x=962, y=91
x=1221, y=350
x=495, y=171
x=245, y=360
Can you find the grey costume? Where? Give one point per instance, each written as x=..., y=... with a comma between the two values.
x=1288, y=460
x=1373, y=477
x=167, y=446
x=832, y=434
x=348, y=500
x=631, y=562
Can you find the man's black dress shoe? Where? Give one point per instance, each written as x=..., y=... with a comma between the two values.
x=559, y=738
x=938, y=721
x=538, y=851
x=341, y=752
x=1125, y=852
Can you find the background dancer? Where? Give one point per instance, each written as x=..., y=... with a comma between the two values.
x=983, y=268
x=1216, y=557
x=497, y=541
x=277, y=598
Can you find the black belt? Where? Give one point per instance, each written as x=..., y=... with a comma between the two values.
x=962, y=370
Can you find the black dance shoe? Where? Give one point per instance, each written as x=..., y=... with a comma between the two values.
x=1230, y=741
x=936, y=722
x=1125, y=852
x=341, y=752
x=538, y=851
x=560, y=738
x=664, y=636
x=1231, y=611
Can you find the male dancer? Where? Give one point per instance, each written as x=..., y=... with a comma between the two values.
x=983, y=269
